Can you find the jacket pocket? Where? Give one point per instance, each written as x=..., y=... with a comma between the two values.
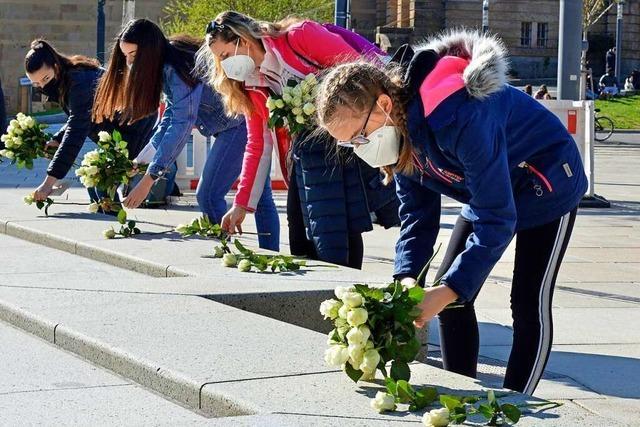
x=541, y=182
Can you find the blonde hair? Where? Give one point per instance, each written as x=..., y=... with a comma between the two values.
x=357, y=86
x=231, y=27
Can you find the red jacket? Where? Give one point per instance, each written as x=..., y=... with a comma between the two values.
x=317, y=46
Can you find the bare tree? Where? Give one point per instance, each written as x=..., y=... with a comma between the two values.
x=592, y=11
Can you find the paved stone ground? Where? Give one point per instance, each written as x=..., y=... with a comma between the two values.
x=596, y=354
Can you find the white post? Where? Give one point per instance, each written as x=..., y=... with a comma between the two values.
x=128, y=11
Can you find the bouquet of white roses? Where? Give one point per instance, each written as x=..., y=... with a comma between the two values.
x=295, y=108
x=25, y=141
x=108, y=166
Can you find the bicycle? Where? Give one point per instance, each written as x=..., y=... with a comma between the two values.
x=603, y=126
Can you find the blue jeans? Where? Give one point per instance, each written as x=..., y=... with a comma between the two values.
x=222, y=168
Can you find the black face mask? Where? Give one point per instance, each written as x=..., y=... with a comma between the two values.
x=51, y=90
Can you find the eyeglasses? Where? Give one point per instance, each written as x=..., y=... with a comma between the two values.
x=359, y=139
x=214, y=26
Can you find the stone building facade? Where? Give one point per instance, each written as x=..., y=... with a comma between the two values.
x=71, y=25
x=529, y=29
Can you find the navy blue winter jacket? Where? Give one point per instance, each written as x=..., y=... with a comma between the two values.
x=486, y=144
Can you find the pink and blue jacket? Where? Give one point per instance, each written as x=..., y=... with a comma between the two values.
x=305, y=48
x=486, y=144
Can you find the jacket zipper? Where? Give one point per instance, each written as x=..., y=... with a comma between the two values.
x=539, y=174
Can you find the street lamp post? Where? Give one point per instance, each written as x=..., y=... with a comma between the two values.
x=619, y=39
x=342, y=13
x=569, y=49
x=100, y=32
x=485, y=16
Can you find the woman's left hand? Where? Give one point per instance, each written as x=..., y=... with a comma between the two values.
x=435, y=300
x=139, y=193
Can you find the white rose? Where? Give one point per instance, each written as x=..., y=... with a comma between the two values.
x=296, y=92
x=30, y=122
x=20, y=116
x=9, y=143
x=356, y=353
x=329, y=308
x=370, y=361
x=436, y=418
x=383, y=402
x=93, y=207
x=28, y=199
x=357, y=316
x=359, y=335
x=109, y=234
x=309, y=109
x=17, y=141
x=300, y=119
x=229, y=260
x=103, y=136
x=343, y=312
x=81, y=171
x=311, y=78
x=352, y=299
x=340, y=290
x=8, y=154
x=336, y=355
x=14, y=123
x=296, y=101
x=296, y=111
x=280, y=103
x=271, y=103
x=4, y=138
x=91, y=170
x=370, y=345
x=18, y=131
x=286, y=97
x=244, y=265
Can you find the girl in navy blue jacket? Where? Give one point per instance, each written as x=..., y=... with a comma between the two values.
x=451, y=125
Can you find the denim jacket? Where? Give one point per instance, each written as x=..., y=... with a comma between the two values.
x=186, y=106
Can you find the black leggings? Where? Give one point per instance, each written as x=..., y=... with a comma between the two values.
x=539, y=253
x=299, y=245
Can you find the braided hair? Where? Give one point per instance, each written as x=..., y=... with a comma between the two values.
x=357, y=86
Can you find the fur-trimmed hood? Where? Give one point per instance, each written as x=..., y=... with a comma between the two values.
x=486, y=72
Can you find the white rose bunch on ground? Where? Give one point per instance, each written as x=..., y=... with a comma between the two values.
x=436, y=418
x=383, y=402
x=295, y=107
x=24, y=141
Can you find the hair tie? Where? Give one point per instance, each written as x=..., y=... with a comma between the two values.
x=38, y=45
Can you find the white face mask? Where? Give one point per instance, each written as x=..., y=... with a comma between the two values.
x=238, y=67
x=383, y=148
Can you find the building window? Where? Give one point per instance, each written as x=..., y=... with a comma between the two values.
x=543, y=34
x=525, y=34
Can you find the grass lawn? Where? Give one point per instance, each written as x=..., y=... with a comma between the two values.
x=48, y=112
x=624, y=111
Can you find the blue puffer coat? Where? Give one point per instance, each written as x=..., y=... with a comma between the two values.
x=332, y=195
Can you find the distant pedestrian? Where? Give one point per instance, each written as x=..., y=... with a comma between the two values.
x=528, y=89
x=610, y=58
x=3, y=114
x=541, y=92
x=609, y=83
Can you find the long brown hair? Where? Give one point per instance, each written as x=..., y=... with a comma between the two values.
x=134, y=94
x=43, y=53
x=357, y=86
x=228, y=27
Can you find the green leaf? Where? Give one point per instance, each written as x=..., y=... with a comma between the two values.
x=459, y=415
x=491, y=397
x=392, y=386
x=354, y=374
x=408, y=352
x=450, y=402
x=416, y=294
x=512, y=412
x=39, y=204
x=136, y=230
x=116, y=136
x=131, y=224
x=486, y=411
x=400, y=370
x=405, y=392
x=372, y=293
x=122, y=216
x=241, y=248
x=397, y=290
x=425, y=397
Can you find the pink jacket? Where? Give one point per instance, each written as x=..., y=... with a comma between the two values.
x=317, y=46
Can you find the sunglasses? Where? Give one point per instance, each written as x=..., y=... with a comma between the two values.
x=359, y=139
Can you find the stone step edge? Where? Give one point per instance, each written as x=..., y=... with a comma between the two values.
x=86, y=250
x=168, y=383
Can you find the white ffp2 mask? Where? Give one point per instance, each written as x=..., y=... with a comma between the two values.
x=238, y=67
